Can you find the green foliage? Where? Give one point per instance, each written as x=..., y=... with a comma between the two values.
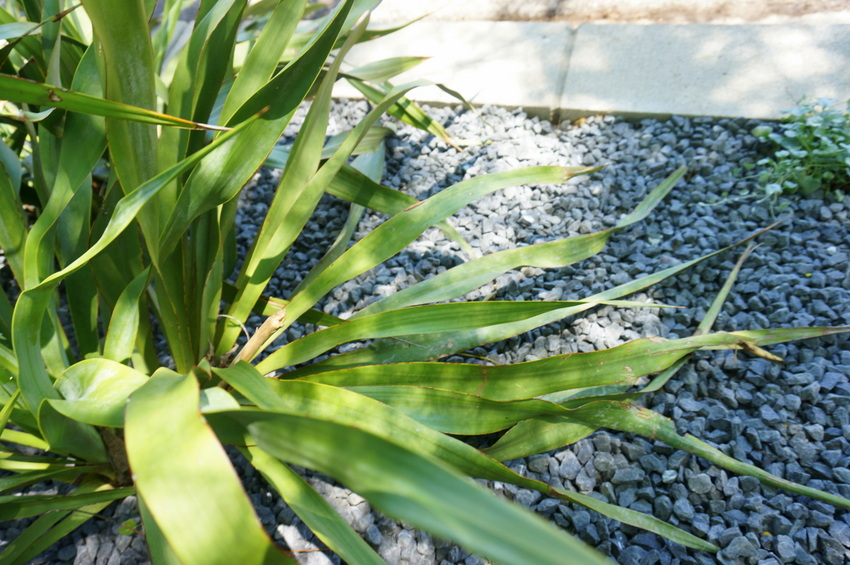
x=811, y=151
x=126, y=140
x=128, y=527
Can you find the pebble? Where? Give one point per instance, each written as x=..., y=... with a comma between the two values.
x=700, y=484
x=739, y=547
x=786, y=549
x=663, y=507
x=627, y=475
x=683, y=509
x=569, y=467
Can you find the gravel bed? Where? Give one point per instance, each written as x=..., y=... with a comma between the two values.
x=792, y=419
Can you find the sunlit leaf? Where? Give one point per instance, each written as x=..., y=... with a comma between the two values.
x=186, y=479
x=95, y=391
x=29, y=92
x=415, y=488
x=348, y=408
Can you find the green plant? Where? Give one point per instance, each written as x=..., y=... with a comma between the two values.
x=811, y=151
x=117, y=205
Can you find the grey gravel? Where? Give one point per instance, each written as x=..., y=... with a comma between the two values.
x=791, y=418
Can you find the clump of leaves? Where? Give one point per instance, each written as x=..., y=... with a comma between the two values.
x=811, y=150
x=129, y=140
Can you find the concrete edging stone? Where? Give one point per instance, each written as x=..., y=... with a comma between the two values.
x=559, y=72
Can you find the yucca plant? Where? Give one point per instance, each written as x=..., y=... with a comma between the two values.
x=126, y=140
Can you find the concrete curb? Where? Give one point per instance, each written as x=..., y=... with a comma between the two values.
x=559, y=72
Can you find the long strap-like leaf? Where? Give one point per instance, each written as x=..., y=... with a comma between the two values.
x=393, y=235
x=34, y=381
x=314, y=510
x=187, y=482
x=357, y=188
x=412, y=487
x=263, y=59
x=56, y=524
x=622, y=364
x=435, y=346
x=20, y=90
x=433, y=318
x=297, y=196
x=351, y=409
x=635, y=419
x=554, y=254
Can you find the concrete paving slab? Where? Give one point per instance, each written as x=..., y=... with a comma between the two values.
x=557, y=72
x=743, y=70
x=576, y=12
x=501, y=63
x=470, y=10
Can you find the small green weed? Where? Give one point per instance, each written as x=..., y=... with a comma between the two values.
x=811, y=151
